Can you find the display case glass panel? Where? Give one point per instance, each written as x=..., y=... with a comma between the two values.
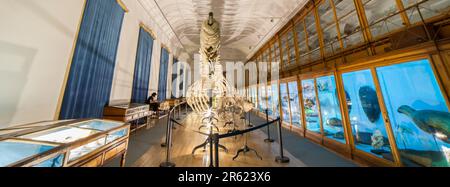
x=313, y=37
x=428, y=9
x=275, y=101
x=295, y=104
x=56, y=161
x=276, y=52
x=368, y=127
x=269, y=101
x=285, y=50
x=292, y=53
x=301, y=42
x=116, y=135
x=418, y=113
x=310, y=106
x=329, y=28
x=262, y=99
x=284, y=94
x=12, y=151
x=349, y=24
x=99, y=125
x=86, y=149
x=382, y=16
x=61, y=135
x=330, y=110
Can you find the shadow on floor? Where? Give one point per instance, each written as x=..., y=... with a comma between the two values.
x=311, y=154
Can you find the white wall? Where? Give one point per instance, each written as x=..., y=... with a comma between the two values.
x=36, y=44
x=36, y=39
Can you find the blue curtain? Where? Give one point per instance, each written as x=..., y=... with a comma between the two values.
x=163, y=75
x=174, y=76
x=90, y=78
x=181, y=75
x=142, y=68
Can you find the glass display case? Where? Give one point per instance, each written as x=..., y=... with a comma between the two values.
x=63, y=144
x=310, y=106
x=275, y=101
x=349, y=25
x=330, y=110
x=284, y=94
x=329, y=28
x=428, y=9
x=382, y=16
x=262, y=99
x=368, y=127
x=285, y=50
x=295, y=104
x=269, y=101
x=313, y=37
x=275, y=51
x=301, y=42
x=291, y=47
x=418, y=113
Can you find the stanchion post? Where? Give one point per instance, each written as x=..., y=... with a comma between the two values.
x=281, y=158
x=216, y=149
x=167, y=163
x=269, y=139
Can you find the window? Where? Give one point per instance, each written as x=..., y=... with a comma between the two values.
x=330, y=109
x=329, y=28
x=285, y=50
x=310, y=105
x=295, y=104
x=368, y=127
x=348, y=21
x=301, y=42
x=285, y=103
x=382, y=16
x=418, y=113
x=313, y=37
x=428, y=9
x=292, y=53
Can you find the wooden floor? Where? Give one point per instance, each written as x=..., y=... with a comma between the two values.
x=185, y=139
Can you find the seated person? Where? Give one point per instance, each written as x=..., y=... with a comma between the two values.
x=153, y=102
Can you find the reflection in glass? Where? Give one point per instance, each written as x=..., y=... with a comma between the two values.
x=382, y=16
x=285, y=50
x=295, y=104
x=311, y=110
x=428, y=9
x=329, y=28
x=349, y=26
x=285, y=103
x=56, y=161
x=14, y=151
x=275, y=103
x=418, y=114
x=276, y=52
x=301, y=42
x=313, y=37
x=269, y=101
x=368, y=127
x=291, y=42
x=330, y=109
x=262, y=99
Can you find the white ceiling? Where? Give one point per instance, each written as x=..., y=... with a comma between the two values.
x=245, y=23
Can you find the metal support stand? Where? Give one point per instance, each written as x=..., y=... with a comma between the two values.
x=179, y=113
x=206, y=143
x=281, y=158
x=269, y=139
x=167, y=163
x=246, y=148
